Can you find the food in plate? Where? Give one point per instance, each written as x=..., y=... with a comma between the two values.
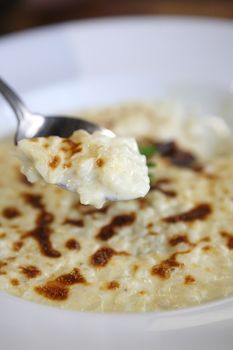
x=171, y=249
x=96, y=166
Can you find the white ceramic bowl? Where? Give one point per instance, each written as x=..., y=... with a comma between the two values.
x=92, y=63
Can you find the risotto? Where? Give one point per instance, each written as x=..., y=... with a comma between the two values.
x=170, y=249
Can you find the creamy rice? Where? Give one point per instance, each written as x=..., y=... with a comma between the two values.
x=171, y=249
x=95, y=166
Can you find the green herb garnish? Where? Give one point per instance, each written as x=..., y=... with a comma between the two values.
x=147, y=151
x=151, y=164
x=151, y=177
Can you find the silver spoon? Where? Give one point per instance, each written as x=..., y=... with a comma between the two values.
x=36, y=125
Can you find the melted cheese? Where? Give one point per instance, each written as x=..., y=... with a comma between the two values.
x=97, y=167
x=171, y=249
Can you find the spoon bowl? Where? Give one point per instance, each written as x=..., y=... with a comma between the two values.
x=31, y=125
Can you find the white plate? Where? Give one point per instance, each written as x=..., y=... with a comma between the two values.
x=91, y=63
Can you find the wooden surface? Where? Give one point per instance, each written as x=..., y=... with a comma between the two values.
x=18, y=15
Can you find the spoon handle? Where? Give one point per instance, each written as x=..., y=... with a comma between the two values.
x=14, y=101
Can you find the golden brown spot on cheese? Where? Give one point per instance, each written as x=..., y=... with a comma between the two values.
x=74, y=222
x=71, y=147
x=204, y=239
x=168, y=193
x=211, y=176
x=58, y=289
x=72, y=244
x=34, y=139
x=15, y=227
x=150, y=225
x=175, y=240
x=92, y=211
x=46, y=145
x=71, y=278
x=33, y=199
x=142, y=292
x=54, y=162
x=135, y=268
x=142, y=203
x=113, y=285
x=89, y=210
x=206, y=248
x=53, y=291
x=2, y=265
x=16, y=246
x=102, y=256
x=2, y=235
x=167, y=266
x=14, y=282
x=189, y=279
x=11, y=212
x=229, y=238
x=30, y=271
x=67, y=165
x=158, y=186
x=41, y=233
x=200, y=212
x=123, y=220
x=100, y=162
x=177, y=156
x=44, y=218
x=152, y=233
x=108, y=231
x=23, y=179
x=10, y=258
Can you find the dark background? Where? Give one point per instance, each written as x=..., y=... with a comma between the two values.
x=22, y=14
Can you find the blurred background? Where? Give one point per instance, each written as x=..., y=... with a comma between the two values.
x=22, y=14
